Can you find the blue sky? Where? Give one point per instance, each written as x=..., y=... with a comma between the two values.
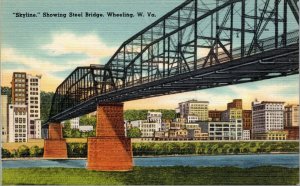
x=53, y=47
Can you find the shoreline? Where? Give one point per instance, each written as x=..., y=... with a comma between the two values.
x=154, y=156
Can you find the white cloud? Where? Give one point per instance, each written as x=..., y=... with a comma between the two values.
x=11, y=56
x=23, y=63
x=69, y=43
x=90, y=46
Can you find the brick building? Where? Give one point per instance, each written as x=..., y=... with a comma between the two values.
x=214, y=115
x=247, y=119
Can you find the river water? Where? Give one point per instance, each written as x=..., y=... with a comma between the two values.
x=242, y=161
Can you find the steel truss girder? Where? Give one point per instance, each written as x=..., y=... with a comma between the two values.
x=169, y=48
x=274, y=63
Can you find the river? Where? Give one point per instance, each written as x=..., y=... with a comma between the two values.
x=242, y=161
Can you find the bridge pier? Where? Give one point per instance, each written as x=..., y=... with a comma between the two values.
x=55, y=146
x=110, y=150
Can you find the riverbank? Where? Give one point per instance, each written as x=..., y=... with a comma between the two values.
x=153, y=156
x=79, y=150
x=176, y=175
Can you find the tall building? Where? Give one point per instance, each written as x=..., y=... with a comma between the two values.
x=25, y=106
x=194, y=108
x=33, y=102
x=236, y=103
x=266, y=116
x=291, y=115
x=247, y=119
x=232, y=114
x=4, y=116
x=291, y=121
x=234, y=111
x=18, y=88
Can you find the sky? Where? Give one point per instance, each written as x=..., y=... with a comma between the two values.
x=54, y=47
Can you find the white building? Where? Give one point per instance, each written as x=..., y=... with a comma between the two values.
x=266, y=116
x=246, y=134
x=74, y=123
x=148, y=129
x=194, y=108
x=26, y=102
x=192, y=119
x=33, y=101
x=291, y=115
x=85, y=128
x=38, y=131
x=225, y=130
x=4, y=117
x=17, y=124
x=154, y=117
x=136, y=123
x=149, y=126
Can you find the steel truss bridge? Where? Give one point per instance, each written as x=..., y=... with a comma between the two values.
x=198, y=45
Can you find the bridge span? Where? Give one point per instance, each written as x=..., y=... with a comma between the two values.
x=197, y=45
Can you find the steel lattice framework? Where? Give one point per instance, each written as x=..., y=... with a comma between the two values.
x=200, y=44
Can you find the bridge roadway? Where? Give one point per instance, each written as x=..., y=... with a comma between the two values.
x=270, y=64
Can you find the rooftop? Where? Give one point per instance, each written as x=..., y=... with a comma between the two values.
x=195, y=101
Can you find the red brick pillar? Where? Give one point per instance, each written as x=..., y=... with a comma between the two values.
x=110, y=150
x=55, y=146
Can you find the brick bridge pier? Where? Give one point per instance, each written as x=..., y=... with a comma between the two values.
x=110, y=150
x=55, y=147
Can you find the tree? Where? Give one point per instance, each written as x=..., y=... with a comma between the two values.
x=23, y=151
x=5, y=153
x=67, y=132
x=168, y=114
x=46, y=101
x=85, y=120
x=75, y=133
x=132, y=115
x=35, y=151
x=14, y=153
x=134, y=133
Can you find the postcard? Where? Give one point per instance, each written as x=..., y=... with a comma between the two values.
x=140, y=92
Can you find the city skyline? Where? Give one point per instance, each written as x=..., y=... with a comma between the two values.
x=248, y=92
x=56, y=46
